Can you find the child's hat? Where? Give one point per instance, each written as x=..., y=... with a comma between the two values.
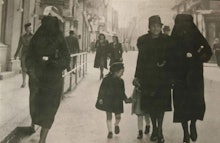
x=116, y=66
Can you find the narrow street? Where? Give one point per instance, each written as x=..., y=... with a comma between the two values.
x=79, y=121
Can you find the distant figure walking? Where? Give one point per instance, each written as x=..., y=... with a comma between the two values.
x=166, y=30
x=116, y=51
x=102, y=53
x=73, y=45
x=22, y=50
x=190, y=51
x=216, y=49
x=47, y=57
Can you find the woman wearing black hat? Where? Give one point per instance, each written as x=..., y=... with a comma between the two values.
x=115, y=50
x=47, y=57
x=152, y=76
x=191, y=50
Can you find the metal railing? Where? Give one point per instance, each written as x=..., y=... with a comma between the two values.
x=77, y=72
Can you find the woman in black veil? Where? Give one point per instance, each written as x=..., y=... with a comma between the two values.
x=190, y=51
x=47, y=57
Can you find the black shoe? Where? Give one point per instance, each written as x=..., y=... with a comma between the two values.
x=193, y=132
x=147, y=129
x=186, y=139
x=161, y=139
x=110, y=135
x=154, y=135
x=117, y=130
x=140, y=134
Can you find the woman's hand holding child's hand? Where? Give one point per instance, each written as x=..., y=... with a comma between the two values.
x=136, y=82
x=100, y=101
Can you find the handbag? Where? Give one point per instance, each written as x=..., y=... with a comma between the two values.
x=99, y=106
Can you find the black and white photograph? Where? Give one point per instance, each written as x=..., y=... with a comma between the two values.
x=109, y=71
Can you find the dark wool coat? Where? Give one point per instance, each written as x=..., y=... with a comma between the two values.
x=102, y=52
x=73, y=44
x=115, y=53
x=112, y=92
x=23, y=45
x=154, y=80
x=189, y=102
x=216, y=48
x=45, y=77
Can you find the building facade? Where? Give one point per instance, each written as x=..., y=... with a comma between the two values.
x=15, y=13
x=206, y=15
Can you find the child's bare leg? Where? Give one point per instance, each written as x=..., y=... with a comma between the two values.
x=140, y=122
x=109, y=121
x=43, y=135
x=140, y=127
x=117, y=121
x=147, y=119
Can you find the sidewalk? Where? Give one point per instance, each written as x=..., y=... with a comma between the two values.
x=79, y=121
x=14, y=105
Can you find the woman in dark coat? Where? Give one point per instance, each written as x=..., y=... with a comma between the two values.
x=102, y=52
x=216, y=49
x=190, y=51
x=152, y=75
x=115, y=51
x=47, y=57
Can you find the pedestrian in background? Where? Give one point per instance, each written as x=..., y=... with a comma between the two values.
x=190, y=51
x=152, y=76
x=47, y=57
x=141, y=115
x=111, y=95
x=102, y=53
x=23, y=44
x=116, y=51
x=216, y=49
x=73, y=45
x=166, y=30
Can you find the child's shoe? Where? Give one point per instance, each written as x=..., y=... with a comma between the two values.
x=117, y=130
x=147, y=129
x=140, y=134
x=110, y=135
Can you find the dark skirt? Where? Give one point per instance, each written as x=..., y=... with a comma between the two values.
x=188, y=105
x=45, y=95
x=154, y=102
x=111, y=105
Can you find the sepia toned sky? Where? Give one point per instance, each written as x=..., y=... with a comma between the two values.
x=143, y=9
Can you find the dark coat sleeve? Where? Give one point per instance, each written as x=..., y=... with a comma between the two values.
x=62, y=56
x=124, y=97
x=19, y=47
x=103, y=88
x=139, y=65
x=120, y=49
x=205, y=51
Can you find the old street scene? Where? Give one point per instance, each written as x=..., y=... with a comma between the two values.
x=109, y=71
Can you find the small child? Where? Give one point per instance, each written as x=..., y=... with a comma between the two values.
x=111, y=96
x=136, y=109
